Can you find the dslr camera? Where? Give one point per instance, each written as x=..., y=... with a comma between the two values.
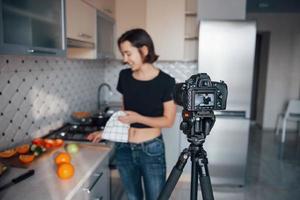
x=199, y=93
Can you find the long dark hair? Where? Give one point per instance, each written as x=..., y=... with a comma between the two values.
x=139, y=38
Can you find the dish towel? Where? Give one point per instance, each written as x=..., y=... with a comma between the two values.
x=115, y=130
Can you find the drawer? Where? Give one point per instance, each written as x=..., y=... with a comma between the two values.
x=96, y=187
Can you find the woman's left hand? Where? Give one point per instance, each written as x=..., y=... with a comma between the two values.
x=130, y=117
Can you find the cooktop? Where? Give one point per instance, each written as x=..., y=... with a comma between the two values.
x=73, y=132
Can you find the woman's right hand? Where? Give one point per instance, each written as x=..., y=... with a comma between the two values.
x=95, y=137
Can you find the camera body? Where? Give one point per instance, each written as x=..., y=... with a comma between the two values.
x=199, y=93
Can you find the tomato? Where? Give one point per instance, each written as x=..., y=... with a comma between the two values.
x=58, y=142
x=38, y=141
x=49, y=143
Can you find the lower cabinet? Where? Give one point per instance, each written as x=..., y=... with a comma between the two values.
x=97, y=185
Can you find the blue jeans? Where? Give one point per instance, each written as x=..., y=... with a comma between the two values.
x=144, y=161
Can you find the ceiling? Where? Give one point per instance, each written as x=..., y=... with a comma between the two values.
x=273, y=6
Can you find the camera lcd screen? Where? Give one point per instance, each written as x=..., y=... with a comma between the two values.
x=204, y=99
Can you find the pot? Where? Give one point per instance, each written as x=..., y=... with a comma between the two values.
x=82, y=118
x=100, y=120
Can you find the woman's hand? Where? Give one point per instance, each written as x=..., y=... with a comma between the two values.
x=95, y=136
x=130, y=117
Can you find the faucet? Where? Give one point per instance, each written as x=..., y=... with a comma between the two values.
x=99, y=91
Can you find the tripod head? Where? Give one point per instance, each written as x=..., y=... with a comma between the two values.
x=197, y=125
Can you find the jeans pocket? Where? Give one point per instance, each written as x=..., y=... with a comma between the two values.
x=154, y=148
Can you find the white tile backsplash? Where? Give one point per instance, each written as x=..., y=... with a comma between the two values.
x=38, y=94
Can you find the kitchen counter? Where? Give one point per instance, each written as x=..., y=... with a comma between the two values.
x=45, y=184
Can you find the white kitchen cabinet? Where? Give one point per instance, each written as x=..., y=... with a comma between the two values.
x=105, y=6
x=81, y=21
x=81, y=28
x=97, y=186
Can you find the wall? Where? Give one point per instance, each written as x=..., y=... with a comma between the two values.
x=220, y=9
x=283, y=70
x=129, y=14
x=166, y=28
x=38, y=94
x=165, y=23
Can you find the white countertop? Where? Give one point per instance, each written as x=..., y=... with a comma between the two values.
x=45, y=184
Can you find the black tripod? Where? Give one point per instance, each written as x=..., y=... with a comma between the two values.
x=196, y=126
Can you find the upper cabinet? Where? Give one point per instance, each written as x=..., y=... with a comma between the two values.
x=90, y=29
x=32, y=27
x=81, y=21
x=106, y=7
x=105, y=36
x=81, y=29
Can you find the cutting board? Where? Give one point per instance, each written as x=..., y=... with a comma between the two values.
x=15, y=162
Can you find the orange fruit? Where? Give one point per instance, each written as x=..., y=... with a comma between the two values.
x=65, y=171
x=26, y=158
x=62, y=157
x=8, y=153
x=23, y=148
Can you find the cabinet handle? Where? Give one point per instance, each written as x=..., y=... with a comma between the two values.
x=88, y=190
x=33, y=51
x=84, y=35
x=108, y=10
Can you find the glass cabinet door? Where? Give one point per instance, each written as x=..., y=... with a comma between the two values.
x=35, y=24
x=105, y=36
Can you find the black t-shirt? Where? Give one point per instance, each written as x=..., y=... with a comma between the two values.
x=145, y=97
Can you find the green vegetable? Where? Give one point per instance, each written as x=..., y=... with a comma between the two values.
x=72, y=148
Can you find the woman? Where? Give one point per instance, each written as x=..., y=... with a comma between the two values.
x=149, y=106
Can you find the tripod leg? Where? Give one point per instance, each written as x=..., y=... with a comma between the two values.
x=174, y=176
x=206, y=188
x=194, y=178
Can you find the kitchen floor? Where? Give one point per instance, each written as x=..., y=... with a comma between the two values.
x=273, y=171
